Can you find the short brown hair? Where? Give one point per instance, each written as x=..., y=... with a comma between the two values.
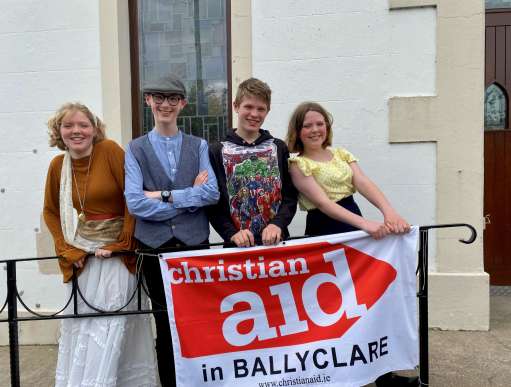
x=295, y=126
x=55, y=122
x=253, y=87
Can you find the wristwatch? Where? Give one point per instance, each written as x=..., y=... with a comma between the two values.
x=165, y=196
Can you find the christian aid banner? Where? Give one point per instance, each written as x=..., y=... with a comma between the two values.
x=334, y=310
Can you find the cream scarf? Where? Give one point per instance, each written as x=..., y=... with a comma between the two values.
x=68, y=215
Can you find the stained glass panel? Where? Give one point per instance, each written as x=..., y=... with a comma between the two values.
x=187, y=38
x=495, y=108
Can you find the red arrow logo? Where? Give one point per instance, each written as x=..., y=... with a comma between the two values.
x=273, y=297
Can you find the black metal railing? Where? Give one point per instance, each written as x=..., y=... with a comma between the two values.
x=422, y=294
x=13, y=297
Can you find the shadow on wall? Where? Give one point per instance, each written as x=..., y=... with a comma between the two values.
x=46, y=248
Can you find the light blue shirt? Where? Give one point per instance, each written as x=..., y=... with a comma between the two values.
x=168, y=151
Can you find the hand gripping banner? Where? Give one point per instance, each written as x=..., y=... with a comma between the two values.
x=333, y=310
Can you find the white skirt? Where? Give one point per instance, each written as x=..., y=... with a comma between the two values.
x=106, y=351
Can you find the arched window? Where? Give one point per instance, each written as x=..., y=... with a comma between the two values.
x=495, y=108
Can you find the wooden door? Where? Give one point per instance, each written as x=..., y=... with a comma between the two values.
x=497, y=206
x=497, y=148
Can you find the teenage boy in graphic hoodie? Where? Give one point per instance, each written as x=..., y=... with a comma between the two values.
x=257, y=198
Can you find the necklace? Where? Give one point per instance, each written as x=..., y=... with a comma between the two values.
x=81, y=215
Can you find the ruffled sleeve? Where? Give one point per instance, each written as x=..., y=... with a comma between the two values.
x=345, y=155
x=305, y=165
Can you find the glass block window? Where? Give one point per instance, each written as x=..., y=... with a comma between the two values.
x=495, y=108
x=189, y=39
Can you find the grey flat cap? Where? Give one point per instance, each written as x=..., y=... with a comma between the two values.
x=168, y=85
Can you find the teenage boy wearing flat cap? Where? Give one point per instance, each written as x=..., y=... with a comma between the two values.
x=169, y=180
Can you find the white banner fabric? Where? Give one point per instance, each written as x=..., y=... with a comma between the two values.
x=336, y=310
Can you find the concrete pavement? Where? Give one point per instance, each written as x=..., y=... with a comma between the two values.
x=468, y=359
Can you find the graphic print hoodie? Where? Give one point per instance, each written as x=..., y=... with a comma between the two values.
x=254, y=183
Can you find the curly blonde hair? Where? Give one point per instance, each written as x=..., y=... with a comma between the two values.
x=293, y=141
x=55, y=122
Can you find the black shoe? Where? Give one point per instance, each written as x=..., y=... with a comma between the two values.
x=391, y=379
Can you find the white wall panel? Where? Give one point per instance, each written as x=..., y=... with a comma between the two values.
x=50, y=55
x=351, y=57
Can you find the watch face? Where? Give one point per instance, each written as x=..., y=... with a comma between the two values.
x=165, y=195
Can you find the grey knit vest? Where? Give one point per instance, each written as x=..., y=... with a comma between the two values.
x=189, y=227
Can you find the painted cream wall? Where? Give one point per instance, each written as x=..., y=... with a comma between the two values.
x=115, y=68
x=241, y=48
x=62, y=51
x=348, y=56
x=50, y=55
x=447, y=117
x=453, y=119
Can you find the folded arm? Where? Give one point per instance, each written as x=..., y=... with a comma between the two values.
x=140, y=205
x=205, y=189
